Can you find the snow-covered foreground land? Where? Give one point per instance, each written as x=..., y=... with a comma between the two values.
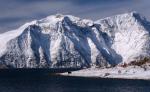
x=131, y=72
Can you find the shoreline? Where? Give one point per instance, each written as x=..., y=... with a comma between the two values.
x=117, y=73
x=96, y=77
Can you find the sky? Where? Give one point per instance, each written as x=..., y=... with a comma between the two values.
x=14, y=13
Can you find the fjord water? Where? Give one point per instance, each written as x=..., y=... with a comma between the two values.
x=58, y=83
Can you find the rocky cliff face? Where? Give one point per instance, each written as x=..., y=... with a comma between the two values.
x=65, y=41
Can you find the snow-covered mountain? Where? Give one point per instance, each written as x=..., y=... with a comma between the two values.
x=128, y=35
x=64, y=41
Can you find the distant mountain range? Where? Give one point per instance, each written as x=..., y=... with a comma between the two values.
x=65, y=41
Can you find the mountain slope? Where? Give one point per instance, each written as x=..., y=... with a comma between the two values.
x=56, y=41
x=128, y=34
x=65, y=41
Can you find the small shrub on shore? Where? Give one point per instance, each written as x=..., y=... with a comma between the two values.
x=136, y=63
x=141, y=62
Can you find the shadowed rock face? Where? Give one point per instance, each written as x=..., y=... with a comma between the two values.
x=65, y=41
x=3, y=66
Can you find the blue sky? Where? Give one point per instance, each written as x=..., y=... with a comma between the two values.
x=14, y=13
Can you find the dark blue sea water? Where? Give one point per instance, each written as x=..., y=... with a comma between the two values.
x=56, y=83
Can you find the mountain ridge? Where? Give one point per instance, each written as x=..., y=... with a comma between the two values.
x=68, y=41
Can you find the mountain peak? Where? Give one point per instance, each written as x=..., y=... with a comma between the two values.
x=58, y=18
x=130, y=15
